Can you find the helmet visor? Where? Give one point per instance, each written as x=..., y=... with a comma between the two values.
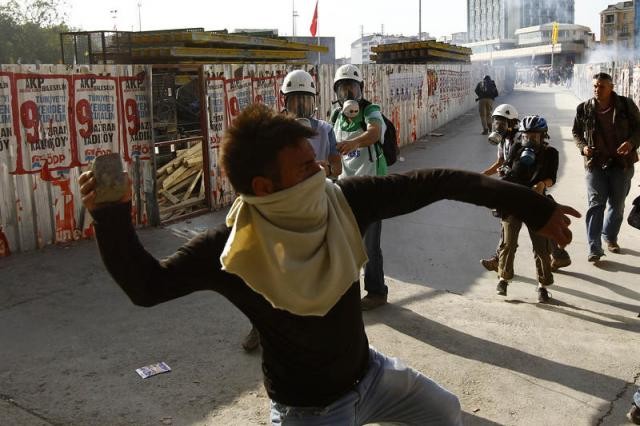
x=301, y=105
x=531, y=139
x=348, y=90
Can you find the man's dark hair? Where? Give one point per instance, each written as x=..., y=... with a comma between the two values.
x=602, y=76
x=251, y=144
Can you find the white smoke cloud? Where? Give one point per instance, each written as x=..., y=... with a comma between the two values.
x=605, y=53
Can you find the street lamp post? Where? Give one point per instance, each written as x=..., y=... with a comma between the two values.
x=294, y=15
x=114, y=16
x=139, y=16
x=419, y=19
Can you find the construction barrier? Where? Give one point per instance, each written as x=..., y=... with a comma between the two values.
x=55, y=119
x=626, y=79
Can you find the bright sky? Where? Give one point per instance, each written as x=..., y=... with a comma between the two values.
x=342, y=19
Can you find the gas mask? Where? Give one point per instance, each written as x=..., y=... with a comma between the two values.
x=499, y=130
x=531, y=143
x=351, y=109
x=348, y=90
x=301, y=105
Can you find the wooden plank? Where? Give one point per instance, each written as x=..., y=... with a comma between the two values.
x=169, y=196
x=192, y=186
x=193, y=162
x=183, y=205
x=214, y=53
x=179, y=186
x=181, y=154
x=202, y=188
x=173, y=177
x=223, y=39
x=182, y=179
x=422, y=45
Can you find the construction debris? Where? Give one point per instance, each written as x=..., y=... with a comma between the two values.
x=180, y=183
x=180, y=46
x=419, y=52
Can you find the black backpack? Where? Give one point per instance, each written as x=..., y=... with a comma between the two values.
x=389, y=143
x=634, y=214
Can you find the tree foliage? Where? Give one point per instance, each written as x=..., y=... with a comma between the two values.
x=29, y=31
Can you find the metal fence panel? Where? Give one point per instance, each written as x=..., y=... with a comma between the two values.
x=107, y=108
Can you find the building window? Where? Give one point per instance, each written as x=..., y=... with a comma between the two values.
x=609, y=19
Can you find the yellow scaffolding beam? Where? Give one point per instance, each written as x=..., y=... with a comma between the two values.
x=209, y=52
x=224, y=39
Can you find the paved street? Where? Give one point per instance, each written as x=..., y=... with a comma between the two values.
x=70, y=340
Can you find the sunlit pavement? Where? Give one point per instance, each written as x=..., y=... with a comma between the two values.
x=70, y=340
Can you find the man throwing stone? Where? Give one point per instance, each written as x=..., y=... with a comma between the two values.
x=289, y=257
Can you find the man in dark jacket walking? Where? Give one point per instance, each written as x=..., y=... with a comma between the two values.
x=606, y=130
x=486, y=91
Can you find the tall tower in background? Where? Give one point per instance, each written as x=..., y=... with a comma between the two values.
x=499, y=19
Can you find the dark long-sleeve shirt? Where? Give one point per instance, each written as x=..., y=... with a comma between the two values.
x=625, y=120
x=545, y=167
x=308, y=361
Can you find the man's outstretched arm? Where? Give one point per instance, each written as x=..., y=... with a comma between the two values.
x=146, y=280
x=375, y=198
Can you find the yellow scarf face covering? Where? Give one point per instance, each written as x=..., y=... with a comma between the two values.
x=300, y=248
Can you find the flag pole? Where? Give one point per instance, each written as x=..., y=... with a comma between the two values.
x=318, y=32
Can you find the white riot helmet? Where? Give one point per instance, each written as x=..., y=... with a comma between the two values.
x=298, y=81
x=504, y=121
x=348, y=83
x=299, y=90
x=347, y=72
x=507, y=111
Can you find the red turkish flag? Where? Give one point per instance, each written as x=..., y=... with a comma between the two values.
x=314, y=21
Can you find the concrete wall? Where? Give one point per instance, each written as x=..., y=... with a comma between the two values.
x=55, y=119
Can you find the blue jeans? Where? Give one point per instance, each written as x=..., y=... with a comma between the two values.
x=389, y=392
x=373, y=272
x=604, y=187
x=636, y=398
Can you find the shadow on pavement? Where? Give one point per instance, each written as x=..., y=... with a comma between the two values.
x=612, y=266
x=470, y=419
x=618, y=322
x=629, y=251
x=597, y=299
x=594, y=298
x=465, y=345
x=622, y=291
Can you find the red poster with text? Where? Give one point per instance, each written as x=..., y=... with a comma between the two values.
x=265, y=91
x=136, y=117
x=97, y=116
x=43, y=136
x=238, y=96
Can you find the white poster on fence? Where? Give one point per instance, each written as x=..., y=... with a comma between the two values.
x=238, y=96
x=216, y=108
x=221, y=192
x=43, y=136
x=136, y=117
x=96, y=116
x=7, y=136
x=265, y=91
